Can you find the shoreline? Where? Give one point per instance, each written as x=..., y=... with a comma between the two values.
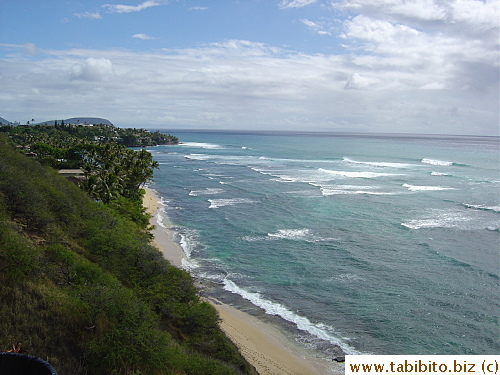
x=262, y=345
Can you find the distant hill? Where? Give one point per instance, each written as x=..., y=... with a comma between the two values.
x=4, y=121
x=79, y=120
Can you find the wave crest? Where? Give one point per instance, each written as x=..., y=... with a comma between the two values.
x=377, y=163
x=426, y=188
x=216, y=203
x=482, y=207
x=437, y=162
x=356, y=174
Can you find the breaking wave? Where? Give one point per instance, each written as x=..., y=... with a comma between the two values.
x=201, y=145
x=356, y=174
x=207, y=191
x=426, y=188
x=216, y=203
x=437, y=162
x=377, y=164
x=482, y=207
x=303, y=234
x=319, y=330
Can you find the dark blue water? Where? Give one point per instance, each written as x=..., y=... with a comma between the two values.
x=380, y=244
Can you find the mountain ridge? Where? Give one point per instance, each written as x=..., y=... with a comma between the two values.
x=79, y=120
x=72, y=120
x=4, y=121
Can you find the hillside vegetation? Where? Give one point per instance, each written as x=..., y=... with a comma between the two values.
x=81, y=286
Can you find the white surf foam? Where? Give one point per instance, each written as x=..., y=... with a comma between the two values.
x=160, y=214
x=188, y=244
x=356, y=174
x=207, y=191
x=433, y=173
x=455, y=219
x=351, y=190
x=198, y=157
x=201, y=145
x=348, y=277
x=437, y=222
x=426, y=188
x=303, y=234
x=216, y=203
x=483, y=207
x=377, y=164
x=292, y=234
x=437, y=162
x=319, y=330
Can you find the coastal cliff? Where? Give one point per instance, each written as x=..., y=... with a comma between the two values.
x=81, y=285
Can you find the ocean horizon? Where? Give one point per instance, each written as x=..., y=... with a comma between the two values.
x=354, y=243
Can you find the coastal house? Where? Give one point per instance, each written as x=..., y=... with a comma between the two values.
x=74, y=175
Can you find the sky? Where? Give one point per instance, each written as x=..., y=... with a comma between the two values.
x=391, y=66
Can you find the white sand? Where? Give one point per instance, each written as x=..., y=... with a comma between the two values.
x=262, y=345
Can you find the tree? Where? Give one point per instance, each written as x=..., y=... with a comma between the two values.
x=111, y=170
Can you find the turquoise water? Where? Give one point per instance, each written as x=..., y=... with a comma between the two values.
x=378, y=244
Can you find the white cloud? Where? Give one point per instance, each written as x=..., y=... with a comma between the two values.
x=316, y=27
x=379, y=31
x=358, y=82
x=427, y=44
x=426, y=10
x=433, y=86
x=198, y=8
x=296, y=3
x=478, y=15
x=92, y=69
x=143, y=36
x=309, y=23
x=91, y=15
x=30, y=49
x=120, y=8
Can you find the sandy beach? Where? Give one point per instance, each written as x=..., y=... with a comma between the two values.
x=262, y=344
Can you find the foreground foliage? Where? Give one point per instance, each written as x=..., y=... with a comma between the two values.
x=81, y=286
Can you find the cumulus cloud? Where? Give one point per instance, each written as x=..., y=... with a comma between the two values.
x=379, y=31
x=441, y=44
x=478, y=15
x=92, y=69
x=120, y=8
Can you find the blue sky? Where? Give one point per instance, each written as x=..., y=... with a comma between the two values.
x=413, y=66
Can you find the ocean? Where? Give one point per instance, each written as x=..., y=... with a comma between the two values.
x=354, y=243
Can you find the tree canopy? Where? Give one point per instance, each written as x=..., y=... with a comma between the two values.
x=110, y=168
